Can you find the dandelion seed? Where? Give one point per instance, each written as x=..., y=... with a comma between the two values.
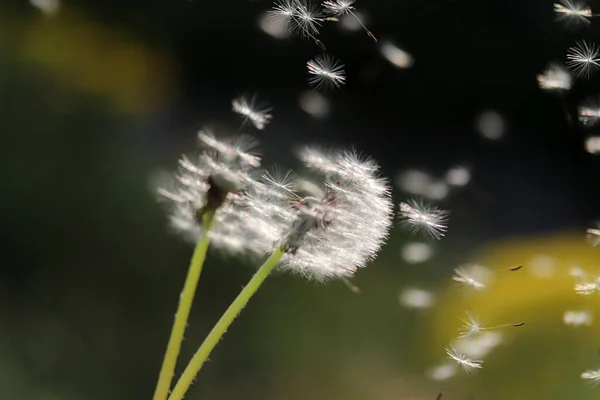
x=588, y=113
x=470, y=365
x=416, y=252
x=473, y=276
x=478, y=346
x=592, y=146
x=298, y=16
x=555, y=77
x=48, y=7
x=396, y=56
x=592, y=375
x=577, y=318
x=472, y=326
x=593, y=235
x=325, y=72
x=258, y=114
x=442, y=372
x=583, y=59
x=424, y=219
x=416, y=298
x=314, y=103
x=571, y=11
x=338, y=8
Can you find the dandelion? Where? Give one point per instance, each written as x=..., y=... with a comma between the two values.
x=473, y=276
x=572, y=11
x=258, y=114
x=330, y=232
x=583, y=59
x=338, y=8
x=470, y=365
x=555, y=77
x=325, y=72
x=592, y=375
x=298, y=16
x=424, y=219
x=472, y=326
x=205, y=197
x=210, y=182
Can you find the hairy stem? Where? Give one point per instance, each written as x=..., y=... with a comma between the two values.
x=183, y=310
x=220, y=328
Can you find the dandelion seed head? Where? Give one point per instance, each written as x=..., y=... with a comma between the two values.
x=325, y=72
x=258, y=114
x=424, y=219
x=583, y=59
x=470, y=365
x=216, y=178
x=340, y=225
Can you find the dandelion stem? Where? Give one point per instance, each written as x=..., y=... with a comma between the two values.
x=183, y=310
x=220, y=328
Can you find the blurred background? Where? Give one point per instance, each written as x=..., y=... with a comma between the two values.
x=100, y=96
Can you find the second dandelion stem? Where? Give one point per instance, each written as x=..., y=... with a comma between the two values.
x=183, y=311
x=221, y=327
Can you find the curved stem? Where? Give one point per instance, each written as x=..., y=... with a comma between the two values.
x=220, y=328
x=183, y=310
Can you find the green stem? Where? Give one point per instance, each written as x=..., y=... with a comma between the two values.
x=221, y=327
x=183, y=310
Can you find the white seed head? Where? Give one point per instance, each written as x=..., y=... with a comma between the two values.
x=555, y=77
x=424, y=219
x=221, y=173
x=332, y=229
x=583, y=59
x=258, y=114
x=325, y=72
